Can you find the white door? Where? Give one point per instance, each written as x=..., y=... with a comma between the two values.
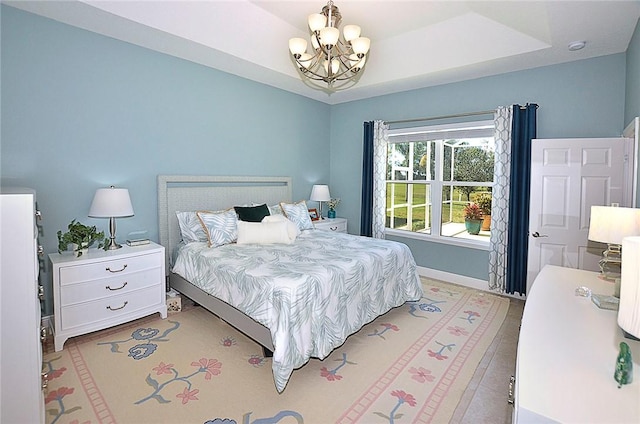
x=568, y=176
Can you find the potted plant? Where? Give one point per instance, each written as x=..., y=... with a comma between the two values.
x=484, y=201
x=333, y=203
x=81, y=237
x=472, y=218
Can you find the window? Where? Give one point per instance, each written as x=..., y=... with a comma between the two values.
x=432, y=174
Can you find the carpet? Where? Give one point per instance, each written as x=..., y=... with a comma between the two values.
x=410, y=365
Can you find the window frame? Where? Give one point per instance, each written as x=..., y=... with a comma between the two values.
x=470, y=129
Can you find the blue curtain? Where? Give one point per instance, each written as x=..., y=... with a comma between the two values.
x=523, y=130
x=366, y=206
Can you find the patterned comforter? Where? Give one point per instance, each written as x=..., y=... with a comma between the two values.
x=311, y=294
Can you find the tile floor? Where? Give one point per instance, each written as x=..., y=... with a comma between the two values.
x=485, y=400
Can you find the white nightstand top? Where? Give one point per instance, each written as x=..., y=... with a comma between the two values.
x=97, y=254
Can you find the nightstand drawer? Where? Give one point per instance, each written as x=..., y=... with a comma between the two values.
x=109, y=309
x=338, y=225
x=109, y=268
x=107, y=287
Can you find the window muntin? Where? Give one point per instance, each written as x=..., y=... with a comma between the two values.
x=432, y=173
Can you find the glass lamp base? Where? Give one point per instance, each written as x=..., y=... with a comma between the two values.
x=611, y=263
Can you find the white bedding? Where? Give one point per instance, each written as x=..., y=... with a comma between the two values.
x=311, y=294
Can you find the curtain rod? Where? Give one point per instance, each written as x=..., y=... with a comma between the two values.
x=459, y=115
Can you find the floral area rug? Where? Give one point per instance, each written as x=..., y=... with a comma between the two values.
x=410, y=365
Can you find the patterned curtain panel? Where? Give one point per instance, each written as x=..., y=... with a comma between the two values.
x=500, y=200
x=380, y=143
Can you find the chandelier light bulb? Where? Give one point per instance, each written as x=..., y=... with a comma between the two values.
x=335, y=66
x=305, y=60
x=361, y=45
x=317, y=21
x=297, y=46
x=314, y=43
x=356, y=62
x=329, y=36
x=351, y=32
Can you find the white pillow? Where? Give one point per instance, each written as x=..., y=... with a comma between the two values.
x=191, y=228
x=298, y=214
x=263, y=232
x=221, y=227
x=292, y=229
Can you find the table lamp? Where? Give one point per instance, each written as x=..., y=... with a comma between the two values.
x=629, y=308
x=111, y=203
x=320, y=193
x=610, y=224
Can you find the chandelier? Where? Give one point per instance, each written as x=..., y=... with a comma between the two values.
x=332, y=59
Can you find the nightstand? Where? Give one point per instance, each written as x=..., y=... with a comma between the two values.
x=105, y=288
x=338, y=225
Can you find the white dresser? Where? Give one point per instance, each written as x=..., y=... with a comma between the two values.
x=106, y=288
x=21, y=379
x=339, y=225
x=567, y=353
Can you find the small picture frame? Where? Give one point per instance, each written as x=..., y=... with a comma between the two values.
x=313, y=214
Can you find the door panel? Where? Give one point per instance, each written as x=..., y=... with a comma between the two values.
x=568, y=176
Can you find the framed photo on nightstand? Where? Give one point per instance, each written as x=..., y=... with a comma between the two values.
x=313, y=214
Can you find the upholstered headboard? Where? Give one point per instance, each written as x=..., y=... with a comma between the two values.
x=192, y=193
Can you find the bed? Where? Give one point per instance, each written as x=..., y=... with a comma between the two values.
x=297, y=300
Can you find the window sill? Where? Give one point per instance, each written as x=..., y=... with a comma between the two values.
x=454, y=241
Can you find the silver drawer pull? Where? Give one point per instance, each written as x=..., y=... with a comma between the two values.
x=333, y=228
x=43, y=334
x=40, y=292
x=115, y=309
x=117, y=288
x=38, y=215
x=117, y=270
x=40, y=250
x=44, y=378
x=511, y=398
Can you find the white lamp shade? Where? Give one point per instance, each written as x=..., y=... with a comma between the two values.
x=297, y=46
x=329, y=36
x=351, y=32
x=629, y=309
x=611, y=224
x=360, y=45
x=111, y=202
x=316, y=21
x=306, y=60
x=320, y=193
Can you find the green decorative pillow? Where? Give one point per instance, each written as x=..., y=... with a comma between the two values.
x=221, y=227
x=252, y=213
x=298, y=214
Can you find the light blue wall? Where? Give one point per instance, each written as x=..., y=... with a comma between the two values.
x=82, y=111
x=632, y=100
x=579, y=99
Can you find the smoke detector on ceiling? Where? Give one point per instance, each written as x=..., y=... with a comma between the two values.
x=577, y=45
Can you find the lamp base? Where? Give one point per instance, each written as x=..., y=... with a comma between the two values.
x=112, y=245
x=611, y=262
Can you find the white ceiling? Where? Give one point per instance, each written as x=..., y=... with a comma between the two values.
x=413, y=43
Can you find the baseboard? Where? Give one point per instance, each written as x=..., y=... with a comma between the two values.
x=462, y=280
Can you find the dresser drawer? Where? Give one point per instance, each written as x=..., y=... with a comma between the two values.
x=111, y=286
x=109, y=309
x=338, y=225
x=109, y=268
